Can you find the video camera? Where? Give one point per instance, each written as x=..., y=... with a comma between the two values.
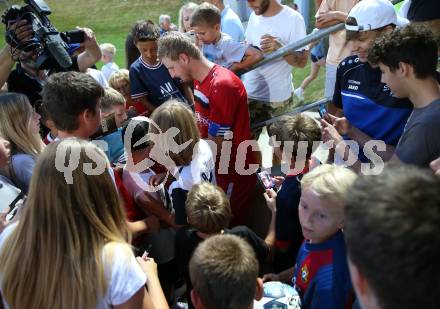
x=48, y=45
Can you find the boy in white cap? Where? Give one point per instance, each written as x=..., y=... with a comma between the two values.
x=367, y=109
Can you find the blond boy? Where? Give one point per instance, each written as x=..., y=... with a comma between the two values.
x=217, y=46
x=108, y=52
x=321, y=274
x=114, y=103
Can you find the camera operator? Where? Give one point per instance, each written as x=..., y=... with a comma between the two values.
x=23, y=32
x=26, y=78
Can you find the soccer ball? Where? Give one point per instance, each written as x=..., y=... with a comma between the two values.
x=278, y=295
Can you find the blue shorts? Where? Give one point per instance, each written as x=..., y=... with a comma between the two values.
x=317, y=52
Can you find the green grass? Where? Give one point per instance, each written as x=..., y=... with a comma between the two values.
x=111, y=20
x=315, y=90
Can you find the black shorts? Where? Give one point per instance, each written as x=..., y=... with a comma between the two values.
x=314, y=58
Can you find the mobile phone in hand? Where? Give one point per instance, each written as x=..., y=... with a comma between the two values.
x=266, y=180
x=322, y=110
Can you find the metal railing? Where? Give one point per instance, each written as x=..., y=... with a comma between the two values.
x=288, y=49
x=295, y=111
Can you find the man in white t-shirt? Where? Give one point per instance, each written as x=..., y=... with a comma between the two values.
x=269, y=88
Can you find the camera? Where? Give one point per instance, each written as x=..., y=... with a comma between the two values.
x=49, y=46
x=322, y=110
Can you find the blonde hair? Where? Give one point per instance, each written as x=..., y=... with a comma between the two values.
x=16, y=114
x=119, y=75
x=329, y=181
x=190, y=6
x=207, y=208
x=108, y=49
x=175, y=43
x=174, y=114
x=111, y=98
x=54, y=256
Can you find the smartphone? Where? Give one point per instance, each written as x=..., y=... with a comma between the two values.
x=12, y=200
x=10, y=196
x=108, y=125
x=265, y=180
x=15, y=209
x=322, y=110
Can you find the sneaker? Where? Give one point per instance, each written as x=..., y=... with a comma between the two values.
x=299, y=93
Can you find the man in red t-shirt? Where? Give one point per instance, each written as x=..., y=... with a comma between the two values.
x=222, y=115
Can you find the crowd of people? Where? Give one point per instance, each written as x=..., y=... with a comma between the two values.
x=134, y=187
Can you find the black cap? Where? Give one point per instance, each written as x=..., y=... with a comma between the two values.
x=139, y=132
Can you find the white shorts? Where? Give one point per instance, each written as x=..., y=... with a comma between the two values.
x=330, y=80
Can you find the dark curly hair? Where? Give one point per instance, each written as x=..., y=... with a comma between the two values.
x=414, y=45
x=145, y=30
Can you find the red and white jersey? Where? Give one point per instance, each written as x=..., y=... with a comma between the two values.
x=221, y=107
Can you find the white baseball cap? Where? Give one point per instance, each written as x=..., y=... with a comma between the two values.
x=374, y=14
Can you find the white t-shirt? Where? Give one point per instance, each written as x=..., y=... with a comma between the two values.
x=108, y=69
x=201, y=168
x=272, y=82
x=98, y=76
x=124, y=275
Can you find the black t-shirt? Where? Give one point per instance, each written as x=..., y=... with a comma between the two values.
x=19, y=81
x=287, y=229
x=187, y=241
x=424, y=10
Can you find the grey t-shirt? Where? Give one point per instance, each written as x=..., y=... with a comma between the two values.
x=420, y=141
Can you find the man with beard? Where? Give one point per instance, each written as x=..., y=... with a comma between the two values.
x=269, y=88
